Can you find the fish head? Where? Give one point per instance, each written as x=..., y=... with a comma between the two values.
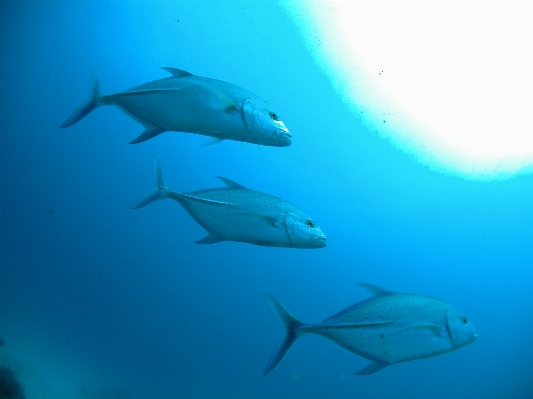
x=303, y=232
x=461, y=330
x=264, y=125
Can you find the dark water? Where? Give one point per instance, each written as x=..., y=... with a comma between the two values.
x=100, y=301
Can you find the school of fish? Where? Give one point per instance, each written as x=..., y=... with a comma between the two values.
x=387, y=328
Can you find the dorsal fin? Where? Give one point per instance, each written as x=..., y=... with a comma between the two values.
x=230, y=183
x=177, y=73
x=374, y=289
x=229, y=106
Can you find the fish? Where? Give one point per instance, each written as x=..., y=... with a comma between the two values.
x=188, y=103
x=387, y=328
x=235, y=213
x=1, y=342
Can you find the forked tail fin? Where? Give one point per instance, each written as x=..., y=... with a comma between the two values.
x=159, y=192
x=88, y=106
x=293, y=331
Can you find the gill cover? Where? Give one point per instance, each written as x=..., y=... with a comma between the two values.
x=250, y=111
x=290, y=228
x=452, y=329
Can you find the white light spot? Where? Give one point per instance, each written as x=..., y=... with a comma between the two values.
x=449, y=83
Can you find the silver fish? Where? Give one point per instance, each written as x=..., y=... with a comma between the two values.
x=193, y=104
x=385, y=329
x=235, y=213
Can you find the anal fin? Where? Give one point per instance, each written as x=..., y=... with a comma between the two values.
x=149, y=132
x=210, y=239
x=372, y=368
x=213, y=141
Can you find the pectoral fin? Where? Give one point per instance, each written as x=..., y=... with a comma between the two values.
x=268, y=220
x=433, y=328
x=230, y=106
x=275, y=222
x=357, y=324
x=210, y=239
x=227, y=105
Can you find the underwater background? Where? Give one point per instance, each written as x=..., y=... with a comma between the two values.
x=101, y=301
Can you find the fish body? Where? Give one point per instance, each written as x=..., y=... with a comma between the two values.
x=194, y=104
x=386, y=329
x=235, y=213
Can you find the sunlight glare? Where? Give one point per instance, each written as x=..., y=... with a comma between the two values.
x=449, y=83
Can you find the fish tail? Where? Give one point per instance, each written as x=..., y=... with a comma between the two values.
x=293, y=331
x=93, y=102
x=159, y=192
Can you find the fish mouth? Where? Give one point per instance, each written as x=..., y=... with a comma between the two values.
x=283, y=138
x=321, y=241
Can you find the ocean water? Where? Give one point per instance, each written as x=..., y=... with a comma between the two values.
x=101, y=301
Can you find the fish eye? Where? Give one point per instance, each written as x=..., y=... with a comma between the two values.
x=464, y=320
x=273, y=116
x=310, y=224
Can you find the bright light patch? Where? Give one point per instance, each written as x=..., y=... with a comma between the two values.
x=450, y=83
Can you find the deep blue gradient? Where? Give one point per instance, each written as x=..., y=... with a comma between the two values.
x=101, y=301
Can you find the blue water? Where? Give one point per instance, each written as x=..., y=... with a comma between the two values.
x=101, y=301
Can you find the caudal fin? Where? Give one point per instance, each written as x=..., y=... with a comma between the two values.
x=88, y=106
x=293, y=331
x=159, y=192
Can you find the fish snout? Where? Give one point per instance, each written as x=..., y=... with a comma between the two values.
x=321, y=241
x=283, y=137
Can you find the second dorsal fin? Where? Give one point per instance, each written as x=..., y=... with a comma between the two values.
x=230, y=183
x=374, y=289
x=177, y=73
